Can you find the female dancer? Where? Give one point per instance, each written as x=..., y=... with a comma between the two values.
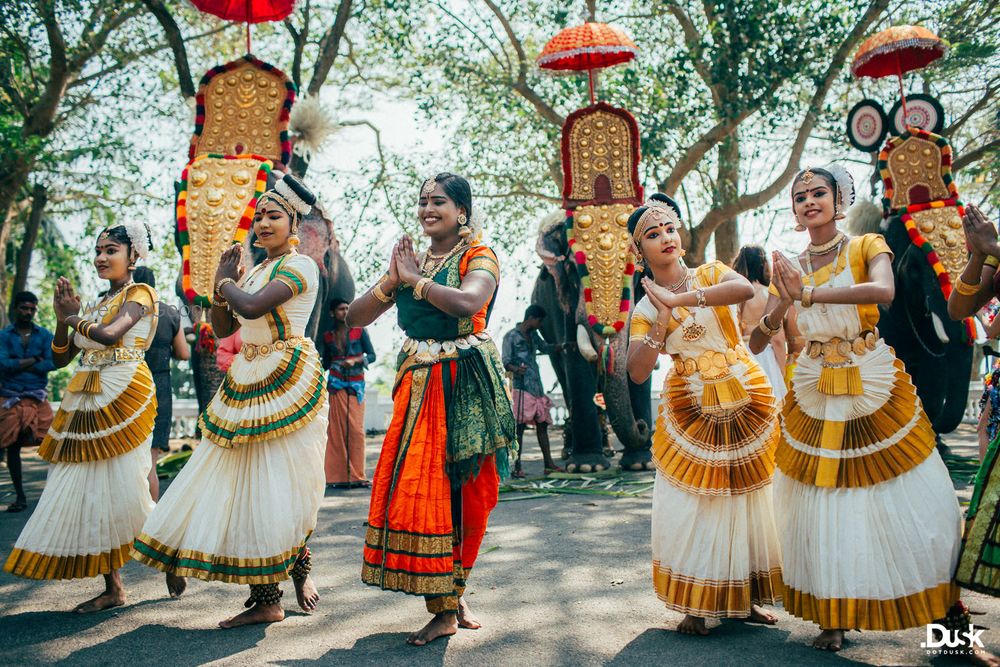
x=452, y=427
x=96, y=495
x=868, y=518
x=751, y=263
x=715, y=549
x=243, y=507
x=979, y=563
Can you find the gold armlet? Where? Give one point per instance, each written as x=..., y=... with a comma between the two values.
x=60, y=349
x=379, y=294
x=965, y=289
x=807, y=296
x=766, y=329
x=420, y=288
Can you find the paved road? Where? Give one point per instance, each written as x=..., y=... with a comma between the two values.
x=562, y=580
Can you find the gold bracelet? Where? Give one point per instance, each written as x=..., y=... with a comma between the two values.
x=701, y=297
x=83, y=328
x=421, y=287
x=807, y=296
x=657, y=345
x=222, y=283
x=965, y=289
x=59, y=349
x=764, y=327
x=379, y=294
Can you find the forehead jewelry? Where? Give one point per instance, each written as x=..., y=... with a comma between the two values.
x=428, y=187
x=807, y=176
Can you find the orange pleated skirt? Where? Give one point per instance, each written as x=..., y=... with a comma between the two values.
x=424, y=532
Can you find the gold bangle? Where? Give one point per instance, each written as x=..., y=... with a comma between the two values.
x=83, y=328
x=219, y=285
x=379, y=294
x=421, y=287
x=965, y=289
x=807, y=296
x=59, y=349
x=764, y=327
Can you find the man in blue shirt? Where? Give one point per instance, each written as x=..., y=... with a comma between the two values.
x=25, y=362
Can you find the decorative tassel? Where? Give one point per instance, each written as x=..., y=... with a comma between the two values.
x=85, y=382
x=840, y=381
x=724, y=396
x=204, y=336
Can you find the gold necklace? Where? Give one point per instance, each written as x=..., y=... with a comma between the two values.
x=260, y=267
x=840, y=238
x=111, y=295
x=431, y=263
x=692, y=331
x=824, y=248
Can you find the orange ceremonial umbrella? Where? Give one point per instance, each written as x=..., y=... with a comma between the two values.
x=587, y=47
x=896, y=50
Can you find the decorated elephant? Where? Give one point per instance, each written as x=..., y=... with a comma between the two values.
x=579, y=367
x=241, y=136
x=921, y=218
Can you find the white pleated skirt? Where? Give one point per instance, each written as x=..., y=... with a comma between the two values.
x=775, y=373
x=877, y=557
x=240, y=514
x=714, y=556
x=86, y=519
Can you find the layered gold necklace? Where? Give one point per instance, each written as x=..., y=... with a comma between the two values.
x=432, y=263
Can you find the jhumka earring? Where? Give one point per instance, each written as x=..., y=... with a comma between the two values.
x=463, y=226
x=683, y=252
x=257, y=243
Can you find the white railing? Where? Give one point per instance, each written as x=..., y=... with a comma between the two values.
x=378, y=411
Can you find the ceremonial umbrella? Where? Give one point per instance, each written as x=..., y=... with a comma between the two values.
x=246, y=11
x=587, y=47
x=896, y=50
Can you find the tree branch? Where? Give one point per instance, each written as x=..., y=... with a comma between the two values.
x=176, y=42
x=976, y=154
x=520, y=84
x=692, y=39
x=991, y=91
x=42, y=114
x=752, y=200
x=329, y=47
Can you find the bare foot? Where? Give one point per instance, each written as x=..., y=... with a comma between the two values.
x=105, y=600
x=442, y=625
x=466, y=619
x=176, y=585
x=692, y=625
x=259, y=613
x=829, y=640
x=983, y=658
x=306, y=593
x=760, y=615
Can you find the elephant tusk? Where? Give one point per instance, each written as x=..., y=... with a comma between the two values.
x=584, y=345
x=939, y=329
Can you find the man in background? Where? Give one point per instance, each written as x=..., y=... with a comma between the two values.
x=25, y=413
x=531, y=406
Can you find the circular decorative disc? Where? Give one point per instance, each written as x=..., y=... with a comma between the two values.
x=866, y=126
x=922, y=111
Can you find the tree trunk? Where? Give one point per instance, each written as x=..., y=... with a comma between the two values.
x=39, y=197
x=727, y=234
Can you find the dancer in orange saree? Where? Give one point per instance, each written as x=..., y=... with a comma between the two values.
x=452, y=428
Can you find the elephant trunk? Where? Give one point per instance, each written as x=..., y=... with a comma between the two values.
x=633, y=433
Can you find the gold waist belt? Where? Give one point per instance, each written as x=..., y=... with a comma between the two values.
x=710, y=364
x=840, y=375
x=837, y=351
x=429, y=350
x=250, y=351
x=114, y=355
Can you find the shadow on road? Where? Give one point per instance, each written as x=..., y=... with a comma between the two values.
x=187, y=648
x=382, y=648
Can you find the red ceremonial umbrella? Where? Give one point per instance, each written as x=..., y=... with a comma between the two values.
x=587, y=47
x=246, y=11
x=895, y=50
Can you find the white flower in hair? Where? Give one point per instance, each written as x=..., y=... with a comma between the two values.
x=138, y=236
x=285, y=190
x=845, y=184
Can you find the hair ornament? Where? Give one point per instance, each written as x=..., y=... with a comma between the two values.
x=138, y=237
x=845, y=186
